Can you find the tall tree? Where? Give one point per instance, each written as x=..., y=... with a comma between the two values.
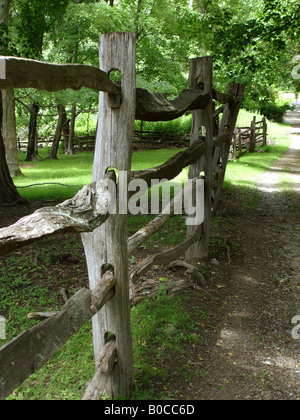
x=31, y=26
x=62, y=117
x=8, y=100
x=32, y=133
x=8, y=191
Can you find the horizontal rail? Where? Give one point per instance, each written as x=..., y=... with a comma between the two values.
x=142, y=235
x=223, y=98
x=28, y=352
x=83, y=213
x=104, y=368
x=170, y=169
x=166, y=257
x=173, y=167
x=156, y=107
x=25, y=73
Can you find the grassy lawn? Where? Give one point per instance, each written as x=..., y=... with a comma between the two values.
x=159, y=326
x=73, y=171
x=247, y=170
x=76, y=171
x=245, y=173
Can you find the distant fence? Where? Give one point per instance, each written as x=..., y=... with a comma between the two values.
x=142, y=140
x=81, y=143
x=244, y=139
x=247, y=138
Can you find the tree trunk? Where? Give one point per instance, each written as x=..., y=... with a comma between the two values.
x=10, y=132
x=70, y=150
x=8, y=101
x=8, y=192
x=31, y=151
x=66, y=133
x=59, y=128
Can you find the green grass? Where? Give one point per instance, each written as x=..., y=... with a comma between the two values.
x=65, y=376
x=74, y=171
x=159, y=326
x=246, y=172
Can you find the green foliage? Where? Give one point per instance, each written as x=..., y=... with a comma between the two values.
x=33, y=19
x=274, y=112
x=180, y=126
x=252, y=44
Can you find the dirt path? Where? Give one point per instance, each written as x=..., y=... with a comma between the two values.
x=248, y=351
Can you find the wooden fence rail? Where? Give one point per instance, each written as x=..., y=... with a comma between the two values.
x=155, y=140
x=31, y=350
x=104, y=233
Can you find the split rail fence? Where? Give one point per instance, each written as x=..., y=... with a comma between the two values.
x=247, y=138
x=104, y=235
x=149, y=140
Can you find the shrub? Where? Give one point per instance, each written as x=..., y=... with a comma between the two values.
x=274, y=112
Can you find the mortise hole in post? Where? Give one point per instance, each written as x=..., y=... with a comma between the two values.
x=202, y=131
x=200, y=83
x=115, y=99
x=107, y=267
x=115, y=76
x=108, y=336
x=115, y=170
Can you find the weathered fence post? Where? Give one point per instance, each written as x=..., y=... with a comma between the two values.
x=234, y=144
x=201, y=72
x=108, y=244
x=253, y=135
x=265, y=131
x=240, y=146
x=228, y=123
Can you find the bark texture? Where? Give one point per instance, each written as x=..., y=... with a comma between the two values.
x=10, y=133
x=32, y=135
x=8, y=191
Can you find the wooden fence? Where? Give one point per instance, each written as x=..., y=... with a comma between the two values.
x=244, y=139
x=148, y=140
x=104, y=233
x=247, y=138
x=81, y=143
